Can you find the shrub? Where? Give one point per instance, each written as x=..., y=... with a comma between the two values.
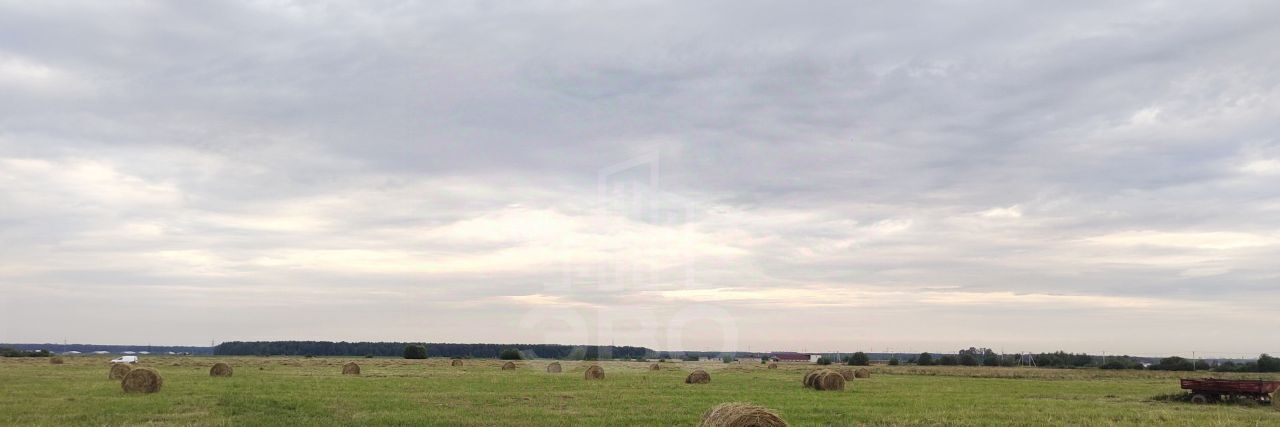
x=727, y=359
x=893, y=361
x=416, y=351
x=925, y=359
x=948, y=360
x=824, y=360
x=510, y=354
x=858, y=359
x=1174, y=363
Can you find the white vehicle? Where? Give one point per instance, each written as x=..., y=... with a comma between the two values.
x=125, y=359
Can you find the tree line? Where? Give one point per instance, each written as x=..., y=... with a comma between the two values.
x=451, y=350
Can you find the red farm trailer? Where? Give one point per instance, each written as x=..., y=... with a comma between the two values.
x=1206, y=390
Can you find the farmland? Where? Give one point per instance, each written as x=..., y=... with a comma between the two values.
x=276, y=390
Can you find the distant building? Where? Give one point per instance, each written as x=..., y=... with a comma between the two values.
x=789, y=357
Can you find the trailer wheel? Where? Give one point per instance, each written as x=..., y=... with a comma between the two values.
x=1199, y=398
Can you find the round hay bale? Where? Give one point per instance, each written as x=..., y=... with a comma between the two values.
x=595, y=372
x=220, y=370
x=55, y=360
x=351, y=368
x=829, y=381
x=773, y=366
x=509, y=366
x=846, y=373
x=862, y=373
x=553, y=368
x=655, y=367
x=118, y=371
x=141, y=380
x=740, y=415
x=456, y=362
x=698, y=377
x=810, y=376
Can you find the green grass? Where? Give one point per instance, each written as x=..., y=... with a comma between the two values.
x=273, y=391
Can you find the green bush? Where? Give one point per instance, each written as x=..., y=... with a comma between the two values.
x=948, y=360
x=893, y=361
x=416, y=351
x=925, y=359
x=510, y=354
x=824, y=360
x=858, y=359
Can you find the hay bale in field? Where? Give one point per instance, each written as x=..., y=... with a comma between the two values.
x=862, y=373
x=595, y=372
x=456, y=362
x=810, y=376
x=740, y=415
x=553, y=368
x=846, y=373
x=698, y=377
x=220, y=370
x=829, y=381
x=55, y=360
x=773, y=366
x=141, y=380
x=351, y=368
x=655, y=367
x=509, y=366
x=118, y=371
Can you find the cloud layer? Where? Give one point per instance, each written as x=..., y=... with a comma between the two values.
x=682, y=175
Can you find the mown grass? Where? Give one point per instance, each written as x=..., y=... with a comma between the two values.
x=274, y=391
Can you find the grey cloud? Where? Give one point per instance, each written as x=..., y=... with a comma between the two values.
x=448, y=155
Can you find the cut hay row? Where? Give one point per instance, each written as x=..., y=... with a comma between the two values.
x=698, y=377
x=351, y=368
x=118, y=371
x=595, y=372
x=220, y=370
x=553, y=368
x=773, y=366
x=862, y=373
x=141, y=380
x=655, y=367
x=846, y=373
x=740, y=415
x=55, y=360
x=509, y=366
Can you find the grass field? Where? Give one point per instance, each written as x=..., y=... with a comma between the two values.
x=277, y=390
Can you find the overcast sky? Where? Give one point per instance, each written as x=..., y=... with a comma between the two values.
x=821, y=176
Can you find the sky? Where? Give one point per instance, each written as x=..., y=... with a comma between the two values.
x=719, y=175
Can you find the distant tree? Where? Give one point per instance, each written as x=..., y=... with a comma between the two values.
x=824, y=360
x=948, y=360
x=858, y=359
x=967, y=359
x=1267, y=363
x=990, y=358
x=727, y=359
x=925, y=359
x=893, y=361
x=510, y=354
x=1174, y=363
x=415, y=351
